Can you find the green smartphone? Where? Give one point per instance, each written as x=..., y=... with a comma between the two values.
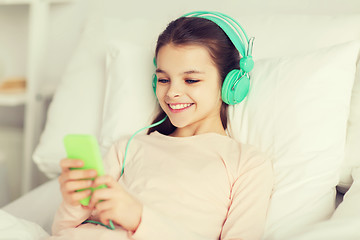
x=85, y=147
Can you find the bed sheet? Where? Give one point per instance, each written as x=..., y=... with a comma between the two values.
x=332, y=230
x=18, y=218
x=13, y=228
x=38, y=206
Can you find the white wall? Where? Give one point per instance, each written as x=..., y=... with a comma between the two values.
x=129, y=9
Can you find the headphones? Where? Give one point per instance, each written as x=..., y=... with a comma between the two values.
x=237, y=82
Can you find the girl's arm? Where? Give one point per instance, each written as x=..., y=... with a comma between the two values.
x=251, y=193
x=70, y=213
x=154, y=226
x=68, y=216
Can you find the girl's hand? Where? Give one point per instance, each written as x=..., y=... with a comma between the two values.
x=72, y=180
x=116, y=205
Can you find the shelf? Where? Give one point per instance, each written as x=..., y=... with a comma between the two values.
x=13, y=2
x=12, y=99
x=36, y=94
x=17, y=2
x=16, y=99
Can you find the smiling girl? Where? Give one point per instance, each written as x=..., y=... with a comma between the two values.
x=185, y=179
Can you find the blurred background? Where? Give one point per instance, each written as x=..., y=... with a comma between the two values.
x=37, y=41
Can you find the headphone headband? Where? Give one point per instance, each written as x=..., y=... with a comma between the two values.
x=231, y=28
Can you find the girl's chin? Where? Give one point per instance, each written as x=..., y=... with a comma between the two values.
x=178, y=123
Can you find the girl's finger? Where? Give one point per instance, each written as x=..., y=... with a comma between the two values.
x=67, y=163
x=107, y=180
x=100, y=194
x=81, y=174
x=105, y=216
x=75, y=197
x=103, y=206
x=71, y=186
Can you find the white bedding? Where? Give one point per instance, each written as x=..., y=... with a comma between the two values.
x=12, y=228
x=38, y=206
x=24, y=223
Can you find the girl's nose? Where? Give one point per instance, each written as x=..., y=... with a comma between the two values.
x=174, y=90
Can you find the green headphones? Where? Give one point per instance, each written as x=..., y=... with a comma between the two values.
x=237, y=82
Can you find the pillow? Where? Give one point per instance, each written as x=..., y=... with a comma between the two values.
x=17, y=228
x=344, y=223
x=278, y=35
x=350, y=207
x=77, y=103
x=130, y=101
x=87, y=70
x=129, y=71
x=296, y=112
x=352, y=150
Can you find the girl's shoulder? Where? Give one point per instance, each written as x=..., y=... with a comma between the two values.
x=252, y=157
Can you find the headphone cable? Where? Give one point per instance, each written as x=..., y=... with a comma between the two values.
x=111, y=224
x=142, y=129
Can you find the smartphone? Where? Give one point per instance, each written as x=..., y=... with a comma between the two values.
x=85, y=147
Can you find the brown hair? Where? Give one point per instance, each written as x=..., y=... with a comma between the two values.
x=203, y=32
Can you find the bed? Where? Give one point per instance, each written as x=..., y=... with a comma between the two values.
x=303, y=110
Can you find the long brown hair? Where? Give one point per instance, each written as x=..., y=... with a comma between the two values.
x=202, y=32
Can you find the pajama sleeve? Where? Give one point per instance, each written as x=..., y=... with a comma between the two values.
x=154, y=226
x=68, y=216
x=251, y=193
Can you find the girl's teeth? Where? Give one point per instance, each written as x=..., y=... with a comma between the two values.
x=179, y=106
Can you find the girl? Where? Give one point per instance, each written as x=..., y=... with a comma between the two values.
x=185, y=179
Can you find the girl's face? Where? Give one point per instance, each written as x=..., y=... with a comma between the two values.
x=189, y=89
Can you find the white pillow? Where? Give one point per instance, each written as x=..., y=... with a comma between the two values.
x=129, y=98
x=352, y=149
x=129, y=70
x=296, y=112
x=19, y=229
x=344, y=223
x=350, y=207
x=77, y=103
x=278, y=35
x=86, y=70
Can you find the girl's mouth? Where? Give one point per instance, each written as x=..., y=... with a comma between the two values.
x=179, y=107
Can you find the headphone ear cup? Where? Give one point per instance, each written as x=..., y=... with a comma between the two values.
x=154, y=83
x=246, y=64
x=233, y=96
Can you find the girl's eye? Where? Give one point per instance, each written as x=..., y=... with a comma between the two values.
x=163, y=80
x=191, y=81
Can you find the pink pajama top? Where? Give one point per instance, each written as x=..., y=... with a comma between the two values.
x=206, y=186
